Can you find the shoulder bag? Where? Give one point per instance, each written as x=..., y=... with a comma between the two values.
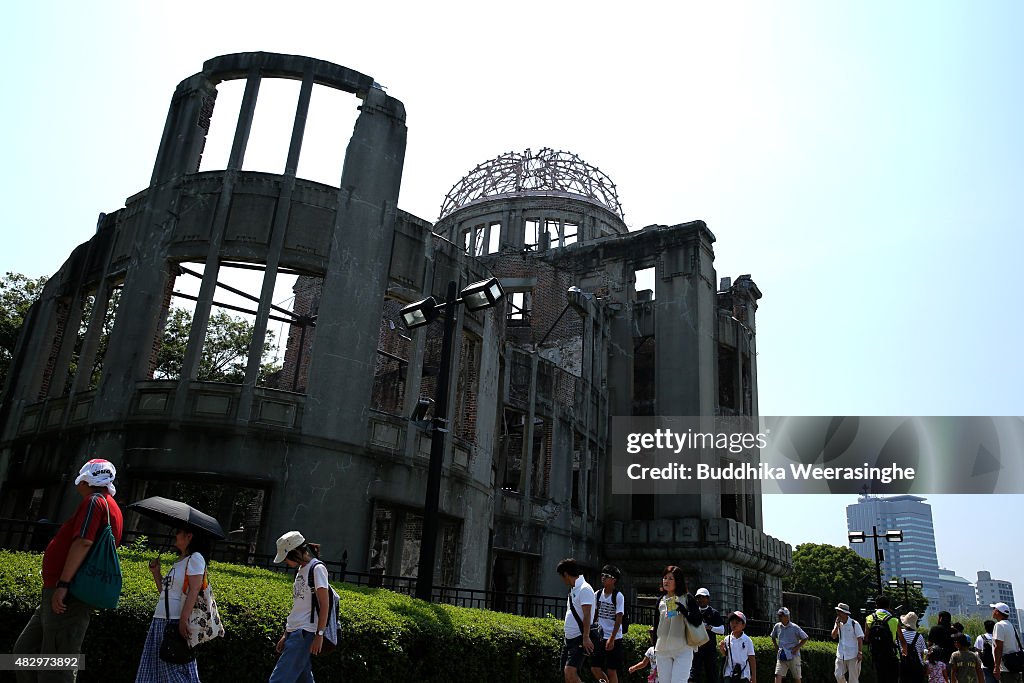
x=98, y=581
x=1014, y=661
x=596, y=632
x=173, y=648
x=204, y=622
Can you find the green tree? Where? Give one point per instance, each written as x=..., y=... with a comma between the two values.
x=908, y=599
x=833, y=573
x=225, y=349
x=17, y=294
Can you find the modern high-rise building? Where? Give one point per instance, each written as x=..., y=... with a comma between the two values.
x=956, y=594
x=991, y=591
x=914, y=558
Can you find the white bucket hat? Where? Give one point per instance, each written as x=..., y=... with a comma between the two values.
x=288, y=542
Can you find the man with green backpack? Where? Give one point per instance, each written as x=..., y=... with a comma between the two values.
x=81, y=547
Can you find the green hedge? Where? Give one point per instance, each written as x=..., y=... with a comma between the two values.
x=387, y=636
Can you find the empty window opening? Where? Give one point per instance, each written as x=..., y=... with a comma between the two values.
x=307, y=291
x=494, y=238
x=552, y=234
x=282, y=317
x=62, y=310
x=229, y=330
x=645, y=281
x=466, y=388
x=109, y=316
x=329, y=126
x=230, y=327
x=748, y=390
x=519, y=307
x=412, y=532
x=644, y=377
x=727, y=372
x=522, y=376
x=533, y=234
x=511, y=471
x=393, y=348
x=272, y=121
x=395, y=543
x=88, y=304
x=217, y=149
x=179, y=307
x=541, y=457
x=570, y=234
x=451, y=544
x=431, y=364
x=578, y=495
x=381, y=538
x=482, y=239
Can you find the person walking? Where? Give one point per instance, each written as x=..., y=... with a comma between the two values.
x=303, y=636
x=675, y=655
x=578, y=614
x=1005, y=641
x=609, y=606
x=59, y=624
x=941, y=636
x=705, y=659
x=849, y=649
x=885, y=646
x=787, y=639
x=740, y=663
x=984, y=645
x=912, y=661
x=178, y=593
x=964, y=665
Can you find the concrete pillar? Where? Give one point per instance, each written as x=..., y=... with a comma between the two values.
x=357, y=271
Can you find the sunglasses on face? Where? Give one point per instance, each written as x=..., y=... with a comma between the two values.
x=607, y=576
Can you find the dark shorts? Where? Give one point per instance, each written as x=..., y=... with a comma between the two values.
x=572, y=653
x=609, y=660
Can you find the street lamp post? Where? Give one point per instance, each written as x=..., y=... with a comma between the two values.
x=906, y=583
x=476, y=296
x=892, y=535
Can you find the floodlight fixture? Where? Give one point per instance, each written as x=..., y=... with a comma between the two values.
x=856, y=537
x=894, y=535
x=421, y=313
x=483, y=294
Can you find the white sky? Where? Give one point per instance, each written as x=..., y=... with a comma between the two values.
x=861, y=160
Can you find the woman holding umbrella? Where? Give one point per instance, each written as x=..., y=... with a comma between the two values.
x=178, y=592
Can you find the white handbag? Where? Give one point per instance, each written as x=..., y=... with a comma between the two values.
x=204, y=621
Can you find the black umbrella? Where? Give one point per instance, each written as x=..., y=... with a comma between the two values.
x=179, y=515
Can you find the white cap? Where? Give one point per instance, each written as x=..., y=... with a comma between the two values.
x=704, y=592
x=98, y=472
x=1002, y=607
x=783, y=611
x=288, y=542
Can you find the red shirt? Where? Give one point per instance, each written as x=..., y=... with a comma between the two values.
x=87, y=522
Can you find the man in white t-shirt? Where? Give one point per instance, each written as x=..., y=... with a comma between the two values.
x=305, y=628
x=1005, y=641
x=608, y=656
x=849, y=648
x=579, y=607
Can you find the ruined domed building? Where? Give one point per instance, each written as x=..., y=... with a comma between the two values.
x=124, y=357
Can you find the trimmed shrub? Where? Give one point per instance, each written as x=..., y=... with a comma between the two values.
x=386, y=636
